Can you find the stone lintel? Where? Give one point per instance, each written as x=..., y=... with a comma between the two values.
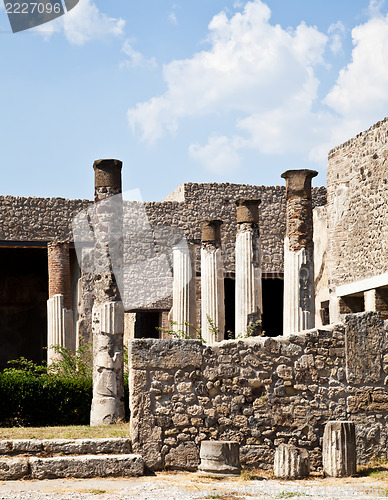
x=107, y=173
x=211, y=231
x=298, y=183
x=247, y=210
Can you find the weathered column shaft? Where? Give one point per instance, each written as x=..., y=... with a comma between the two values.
x=60, y=331
x=184, y=309
x=299, y=306
x=212, y=282
x=248, y=269
x=108, y=309
x=339, y=449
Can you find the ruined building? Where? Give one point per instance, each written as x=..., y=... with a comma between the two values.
x=294, y=263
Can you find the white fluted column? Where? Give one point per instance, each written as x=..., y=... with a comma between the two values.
x=212, y=282
x=184, y=311
x=248, y=269
x=299, y=298
x=59, y=327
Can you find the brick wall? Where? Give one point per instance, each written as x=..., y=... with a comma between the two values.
x=59, y=271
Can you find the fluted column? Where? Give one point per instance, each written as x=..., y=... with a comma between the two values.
x=108, y=311
x=248, y=269
x=299, y=307
x=212, y=282
x=60, y=331
x=184, y=311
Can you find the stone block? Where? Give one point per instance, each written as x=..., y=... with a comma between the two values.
x=220, y=457
x=86, y=466
x=339, y=449
x=87, y=446
x=20, y=446
x=13, y=468
x=363, y=346
x=291, y=462
x=169, y=354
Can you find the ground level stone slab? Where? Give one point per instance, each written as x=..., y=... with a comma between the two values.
x=86, y=466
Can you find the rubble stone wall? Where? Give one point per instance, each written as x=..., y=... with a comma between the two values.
x=260, y=392
x=357, y=191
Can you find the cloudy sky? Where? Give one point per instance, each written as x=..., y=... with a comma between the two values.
x=180, y=91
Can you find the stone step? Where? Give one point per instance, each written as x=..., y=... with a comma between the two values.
x=82, y=466
x=49, y=447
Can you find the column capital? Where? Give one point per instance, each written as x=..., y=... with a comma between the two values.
x=211, y=231
x=247, y=210
x=298, y=183
x=107, y=173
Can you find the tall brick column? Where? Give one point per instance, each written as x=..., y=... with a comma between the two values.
x=108, y=310
x=184, y=309
x=248, y=269
x=299, y=307
x=60, y=330
x=212, y=282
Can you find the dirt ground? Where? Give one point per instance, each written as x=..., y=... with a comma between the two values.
x=191, y=486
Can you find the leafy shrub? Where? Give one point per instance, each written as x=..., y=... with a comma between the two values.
x=61, y=394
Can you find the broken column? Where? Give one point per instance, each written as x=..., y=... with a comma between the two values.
x=339, y=449
x=299, y=307
x=108, y=310
x=59, y=309
x=291, y=462
x=212, y=282
x=248, y=269
x=220, y=457
x=184, y=310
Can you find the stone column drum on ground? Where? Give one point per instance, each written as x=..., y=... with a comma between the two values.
x=212, y=282
x=248, y=269
x=291, y=462
x=60, y=331
x=220, y=457
x=184, y=310
x=339, y=449
x=108, y=310
x=299, y=307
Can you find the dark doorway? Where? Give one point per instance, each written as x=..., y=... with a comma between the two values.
x=146, y=325
x=272, y=307
x=229, y=290
x=23, y=304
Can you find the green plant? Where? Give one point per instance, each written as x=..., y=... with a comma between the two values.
x=72, y=365
x=181, y=331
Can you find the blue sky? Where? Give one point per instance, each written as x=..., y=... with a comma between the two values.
x=204, y=91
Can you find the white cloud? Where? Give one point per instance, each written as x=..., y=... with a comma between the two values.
x=337, y=32
x=83, y=23
x=375, y=7
x=251, y=66
x=172, y=17
x=219, y=155
x=136, y=59
x=262, y=80
x=361, y=88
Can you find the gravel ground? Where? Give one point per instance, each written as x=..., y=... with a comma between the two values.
x=186, y=486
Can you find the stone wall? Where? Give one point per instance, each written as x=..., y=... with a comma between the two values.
x=260, y=392
x=45, y=219
x=38, y=219
x=357, y=190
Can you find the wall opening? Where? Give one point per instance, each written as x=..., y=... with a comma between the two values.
x=272, y=306
x=324, y=312
x=229, y=293
x=23, y=304
x=351, y=304
x=146, y=325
